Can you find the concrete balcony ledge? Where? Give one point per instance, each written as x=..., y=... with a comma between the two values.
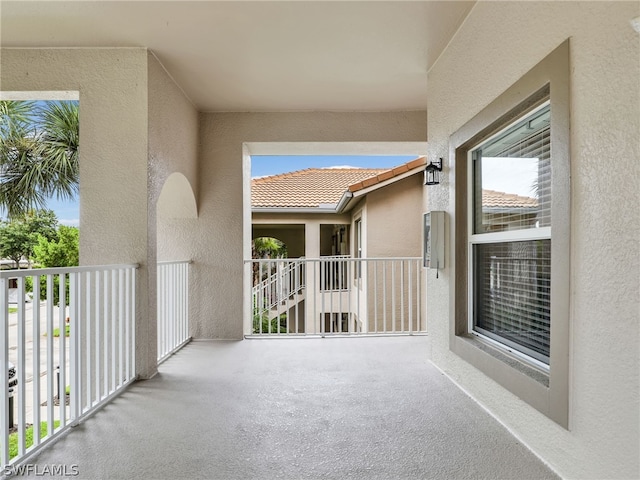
x=359, y=408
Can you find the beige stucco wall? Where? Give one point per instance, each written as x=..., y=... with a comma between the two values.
x=173, y=147
x=112, y=86
x=394, y=215
x=219, y=233
x=393, y=229
x=503, y=40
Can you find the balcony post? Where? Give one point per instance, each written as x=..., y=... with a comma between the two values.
x=312, y=250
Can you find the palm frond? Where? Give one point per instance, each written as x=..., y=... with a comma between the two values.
x=15, y=116
x=59, y=145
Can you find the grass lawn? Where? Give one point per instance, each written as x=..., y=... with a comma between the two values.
x=28, y=437
x=13, y=309
x=56, y=331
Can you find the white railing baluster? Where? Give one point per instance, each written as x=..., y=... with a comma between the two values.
x=35, y=302
x=128, y=336
x=21, y=367
x=410, y=292
x=88, y=319
x=421, y=324
x=62, y=349
x=98, y=336
x=384, y=297
x=50, y=367
x=121, y=376
x=375, y=298
x=402, y=291
x=4, y=369
x=75, y=334
x=132, y=335
x=358, y=300
x=114, y=330
x=185, y=319
x=105, y=333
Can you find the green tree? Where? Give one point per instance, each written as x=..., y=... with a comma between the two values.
x=62, y=251
x=38, y=154
x=16, y=241
x=268, y=247
x=263, y=248
x=19, y=236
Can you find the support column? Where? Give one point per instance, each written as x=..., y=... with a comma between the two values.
x=312, y=250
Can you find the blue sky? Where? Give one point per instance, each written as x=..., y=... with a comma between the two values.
x=272, y=165
x=68, y=211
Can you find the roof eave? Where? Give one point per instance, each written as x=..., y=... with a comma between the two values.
x=293, y=210
x=397, y=178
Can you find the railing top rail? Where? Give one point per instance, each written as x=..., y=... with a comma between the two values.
x=274, y=260
x=175, y=262
x=333, y=258
x=30, y=272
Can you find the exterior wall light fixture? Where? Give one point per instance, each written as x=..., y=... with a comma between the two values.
x=432, y=172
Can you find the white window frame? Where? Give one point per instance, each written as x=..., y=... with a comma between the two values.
x=508, y=236
x=357, y=247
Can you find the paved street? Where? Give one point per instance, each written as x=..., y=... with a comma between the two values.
x=38, y=342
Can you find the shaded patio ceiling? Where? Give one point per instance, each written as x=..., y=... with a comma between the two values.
x=261, y=56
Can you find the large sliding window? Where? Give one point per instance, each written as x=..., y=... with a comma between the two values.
x=510, y=236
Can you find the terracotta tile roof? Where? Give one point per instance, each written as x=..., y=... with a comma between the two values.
x=313, y=187
x=493, y=199
x=308, y=188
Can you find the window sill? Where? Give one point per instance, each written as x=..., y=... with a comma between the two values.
x=510, y=360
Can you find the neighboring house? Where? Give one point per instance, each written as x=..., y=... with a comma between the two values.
x=385, y=204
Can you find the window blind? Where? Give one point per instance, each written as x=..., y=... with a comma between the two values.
x=512, y=294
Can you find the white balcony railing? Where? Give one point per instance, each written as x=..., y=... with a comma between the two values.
x=336, y=295
x=173, y=307
x=61, y=378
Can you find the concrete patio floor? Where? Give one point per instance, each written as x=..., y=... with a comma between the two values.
x=337, y=408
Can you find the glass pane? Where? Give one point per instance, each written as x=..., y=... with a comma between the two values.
x=512, y=294
x=512, y=177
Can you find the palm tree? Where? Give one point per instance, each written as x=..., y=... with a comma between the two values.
x=38, y=154
x=268, y=247
x=264, y=248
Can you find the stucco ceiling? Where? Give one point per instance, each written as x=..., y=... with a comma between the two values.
x=261, y=56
